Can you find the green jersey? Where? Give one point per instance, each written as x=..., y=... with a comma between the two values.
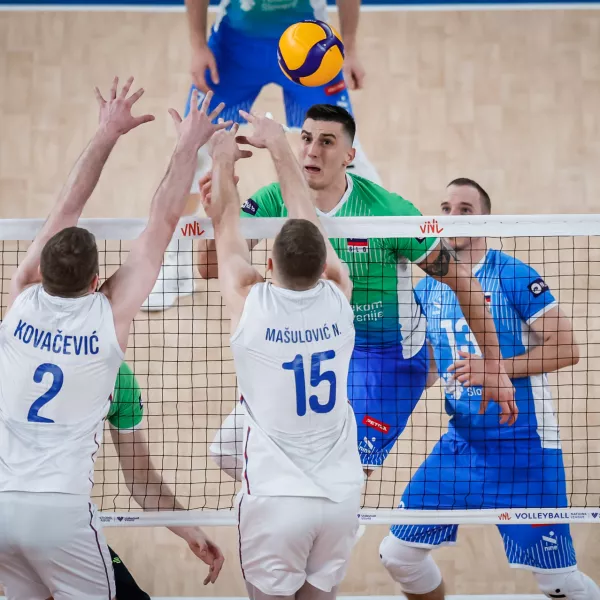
x=126, y=410
x=385, y=311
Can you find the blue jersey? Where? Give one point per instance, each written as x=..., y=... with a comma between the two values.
x=516, y=296
x=269, y=18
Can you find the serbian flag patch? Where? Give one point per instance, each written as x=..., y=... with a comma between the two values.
x=358, y=245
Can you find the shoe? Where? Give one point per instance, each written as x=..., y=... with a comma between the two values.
x=176, y=277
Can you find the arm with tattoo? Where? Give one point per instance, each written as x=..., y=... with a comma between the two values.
x=442, y=264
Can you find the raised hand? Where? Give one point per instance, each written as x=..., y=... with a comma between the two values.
x=205, y=185
x=115, y=113
x=224, y=145
x=197, y=128
x=265, y=130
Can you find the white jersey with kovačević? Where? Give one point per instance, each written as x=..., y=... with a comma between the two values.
x=59, y=358
x=292, y=350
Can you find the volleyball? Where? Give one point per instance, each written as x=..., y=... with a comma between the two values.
x=311, y=53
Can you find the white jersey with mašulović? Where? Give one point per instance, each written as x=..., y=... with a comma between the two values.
x=291, y=351
x=59, y=359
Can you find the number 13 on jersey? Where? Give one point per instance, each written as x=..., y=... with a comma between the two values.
x=316, y=377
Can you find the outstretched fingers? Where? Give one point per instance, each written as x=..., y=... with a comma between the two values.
x=135, y=97
x=218, y=110
x=143, y=119
x=101, y=101
x=247, y=116
x=205, y=103
x=126, y=88
x=113, y=89
x=175, y=116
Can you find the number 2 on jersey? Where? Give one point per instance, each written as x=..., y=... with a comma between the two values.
x=57, y=383
x=316, y=377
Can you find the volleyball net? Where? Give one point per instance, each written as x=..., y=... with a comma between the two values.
x=182, y=361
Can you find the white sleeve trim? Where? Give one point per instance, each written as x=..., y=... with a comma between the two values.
x=127, y=429
x=542, y=312
x=427, y=252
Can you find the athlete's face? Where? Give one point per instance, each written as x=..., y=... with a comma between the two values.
x=461, y=200
x=325, y=152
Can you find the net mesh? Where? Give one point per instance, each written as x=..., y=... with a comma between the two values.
x=182, y=361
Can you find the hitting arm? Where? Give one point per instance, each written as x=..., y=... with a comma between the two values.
x=294, y=189
x=134, y=280
x=222, y=205
x=115, y=120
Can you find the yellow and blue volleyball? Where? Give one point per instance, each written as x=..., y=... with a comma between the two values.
x=311, y=53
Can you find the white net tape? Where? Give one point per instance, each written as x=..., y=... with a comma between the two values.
x=182, y=361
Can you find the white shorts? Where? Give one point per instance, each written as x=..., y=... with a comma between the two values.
x=285, y=541
x=52, y=545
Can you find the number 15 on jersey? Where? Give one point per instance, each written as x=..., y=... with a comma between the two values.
x=316, y=377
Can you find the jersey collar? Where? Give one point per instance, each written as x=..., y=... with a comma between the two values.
x=343, y=199
x=479, y=265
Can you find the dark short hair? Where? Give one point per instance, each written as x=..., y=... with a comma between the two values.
x=299, y=253
x=334, y=114
x=486, y=202
x=69, y=262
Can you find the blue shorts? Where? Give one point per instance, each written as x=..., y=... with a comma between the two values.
x=247, y=64
x=460, y=475
x=384, y=388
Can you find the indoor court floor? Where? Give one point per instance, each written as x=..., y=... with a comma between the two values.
x=509, y=98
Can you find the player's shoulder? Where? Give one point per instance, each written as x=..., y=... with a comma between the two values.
x=507, y=266
x=425, y=286
x=381, y=202
x=264, y=202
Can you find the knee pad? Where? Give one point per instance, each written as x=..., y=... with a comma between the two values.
x=413, y=568
x=573, y=585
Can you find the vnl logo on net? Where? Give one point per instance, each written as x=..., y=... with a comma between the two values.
x=193, y=229
x=542, y=516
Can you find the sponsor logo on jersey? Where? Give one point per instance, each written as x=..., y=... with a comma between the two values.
x=550, y=542
x=357, y=245
x=335, y=88
x=375, y=424
x=366, y=446
x=538, y=287
x=250, y=207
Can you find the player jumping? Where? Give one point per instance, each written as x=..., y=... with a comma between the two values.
x=302, y=475
x=476, y=464
x=62, y=343
x=239, y=59
x=389, y=366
